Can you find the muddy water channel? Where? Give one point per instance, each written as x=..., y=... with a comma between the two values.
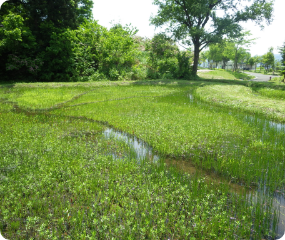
x=268, y=129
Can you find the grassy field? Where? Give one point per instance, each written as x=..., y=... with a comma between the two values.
x=59, y=178
x=262, y=71
x=223, y=74
x=278, y=80
x=265, y=101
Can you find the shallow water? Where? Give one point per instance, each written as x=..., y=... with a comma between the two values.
x=141, y=149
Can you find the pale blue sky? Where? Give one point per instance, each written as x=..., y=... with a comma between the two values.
x=138, y=13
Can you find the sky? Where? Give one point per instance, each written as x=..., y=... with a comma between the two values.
x=137, y=13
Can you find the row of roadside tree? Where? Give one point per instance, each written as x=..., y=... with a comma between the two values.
x=237, y=51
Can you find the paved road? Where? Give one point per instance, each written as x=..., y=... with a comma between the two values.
x=260, y=77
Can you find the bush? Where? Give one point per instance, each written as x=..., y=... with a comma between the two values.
x=183, y=67
x=167, y=75
x=97, y=76
x=139, y=72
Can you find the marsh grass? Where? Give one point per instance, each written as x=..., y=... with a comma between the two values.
x=60, y=179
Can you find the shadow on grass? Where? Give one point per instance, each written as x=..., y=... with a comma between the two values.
x=197, y=81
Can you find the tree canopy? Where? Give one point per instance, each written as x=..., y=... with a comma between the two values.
x=268, y=59
x=202, y=22
x=29, y=30
x=282, y=52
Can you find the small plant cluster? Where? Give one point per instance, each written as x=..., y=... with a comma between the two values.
x=166, y=61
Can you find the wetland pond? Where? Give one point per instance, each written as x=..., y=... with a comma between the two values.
x=269, y=131
x=142, y=151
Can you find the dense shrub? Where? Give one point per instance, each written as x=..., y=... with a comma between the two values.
x=88, y=53
x=166, y=60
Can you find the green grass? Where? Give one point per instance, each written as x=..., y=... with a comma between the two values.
x=272, y=93
x=222, y=74
x=278, y=80
x=265, y=101
x=59, y=179
x=262, y=71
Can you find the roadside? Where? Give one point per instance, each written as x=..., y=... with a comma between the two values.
x=204, y=70
x=223, y=74
x=260, y=77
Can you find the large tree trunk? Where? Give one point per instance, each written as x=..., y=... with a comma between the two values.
x=196, y=59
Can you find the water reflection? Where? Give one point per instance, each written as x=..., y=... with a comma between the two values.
x=141, y=149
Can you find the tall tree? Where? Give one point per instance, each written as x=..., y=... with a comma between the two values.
x=268, y=59
x=257, y=59
x=62, y=13
x=203, y=58
x=215, y=54
x=251, y=62
x=199, y=22
x=236, y=48
x=33, y=27
x=282, y=52
x=221, y=51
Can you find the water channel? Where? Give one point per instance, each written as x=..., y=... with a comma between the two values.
x=144, y=151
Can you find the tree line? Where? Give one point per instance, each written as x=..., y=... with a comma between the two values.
x=48, y=40
x=58, y=40
x=236, y=50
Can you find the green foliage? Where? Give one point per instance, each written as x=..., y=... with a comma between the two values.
x=14, y=34
x=251, y=61
x=86, y=43
x=35, y=40
x=166, y=60
x=117, y=51
x=235, y=49
x=33, y=66
x=282, y=52
x=62, y=14
x=268, y=59
x=162, y=51
x=215, y=53
x=183, y=71
x=58, y=59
